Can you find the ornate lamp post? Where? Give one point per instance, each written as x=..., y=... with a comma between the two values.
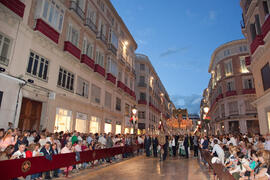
x=134, y=119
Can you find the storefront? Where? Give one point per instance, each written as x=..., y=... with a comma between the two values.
x=126, y=130
x=94, y=125
x=81, y=122
x=108, y=126
x=118, y=128
x=62, y=120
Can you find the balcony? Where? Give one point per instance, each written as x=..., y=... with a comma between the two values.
x=14, y=5
x=91, y=25
x=128, y=66
x=76, y=8
x=219, y=97
x=112, y=49
x=231, y=93
x=121, y=85
x=111, y=78
x=142, y=102
x=88, y=61
x=258, y=41
x=266, y=27
x=133, y=94
x=249, y=91
x=99, y=69
x=246, y=6
x=127, y=90
x=141, y=84
x=47, y=30
x=72, y=49
x=247, y=60
x=102, y=37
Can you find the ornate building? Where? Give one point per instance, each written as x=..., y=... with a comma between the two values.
x=231, y=91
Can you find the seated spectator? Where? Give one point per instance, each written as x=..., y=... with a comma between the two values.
x=8, y=139
x=20, y=153
x=6, y=155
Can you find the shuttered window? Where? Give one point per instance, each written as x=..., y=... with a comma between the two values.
x=99, y=58
x=265, y=72
x=88, y=48
x=82, y=87
x=108, y=100
x=73, y=35
x=95, y=94
x=65, y=79
x=233, y=107
x=118, y=104
x=4, y=49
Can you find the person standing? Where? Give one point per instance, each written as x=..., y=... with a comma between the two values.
x=186, y=144
x=147, y=145
x=196, y=145
x=174, y=145
x=155, y=145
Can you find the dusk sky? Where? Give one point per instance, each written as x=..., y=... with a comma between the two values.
x=179, y=37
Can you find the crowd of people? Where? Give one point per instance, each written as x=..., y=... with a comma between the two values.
x=245, y=156
x=16, y=144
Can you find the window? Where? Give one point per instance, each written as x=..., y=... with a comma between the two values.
x=142, y=96
x=222, y=110
x=1, y=97
x=113, y=39
x=227, y=52
x=141, y=114
x=62, y=120
x=52, y=13
x=91, y=14
x=131, y=84
x=94, y=124
x=142, y=79
x=38, y=66
x=4, y=49
x=142, y=67
x=65, y=79
x=219, y=90
x=99, y=58
x=230, y=86
x=118, y=104
x=95, y=94
x=218, y=72
x=108, y=100
x=73, y=35
x=233, y=107
x=249, y=106
x=243, y=65
x=82, y=87
x=228, y=68
x=88, y=48
x=112, y=67
x=265, y=71
x=248, y=84
x=127, y=110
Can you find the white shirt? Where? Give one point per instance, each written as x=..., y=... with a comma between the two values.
x=78, y=148
x=102, y=140
x=267, y=145
x=19, y=153
x=140, y=140
x=233, y=141
x=30, y=139
x=42, y=142
x=218, y=150
x=173, y=142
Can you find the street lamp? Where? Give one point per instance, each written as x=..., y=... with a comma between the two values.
x=206, y=109
x=134, y=112
x=199, y=122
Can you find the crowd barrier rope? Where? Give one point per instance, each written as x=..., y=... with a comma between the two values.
x=219, y=169
x=22, y=167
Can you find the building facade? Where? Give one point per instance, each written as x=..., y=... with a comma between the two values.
x=231, y=91
x=66, y=65
x=255, y=27
x=154, y=103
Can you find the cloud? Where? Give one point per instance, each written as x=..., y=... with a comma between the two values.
x=191, y=102
x=142, y=42
x=190, y=13
x=171, y=51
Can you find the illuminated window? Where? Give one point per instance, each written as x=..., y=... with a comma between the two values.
x=243, y=65
x=94, y=125
x=107, y=128
x=62, y=120
x=118, y=129
x=228, y=68
x=81, y=120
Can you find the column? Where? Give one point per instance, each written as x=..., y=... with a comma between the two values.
x=243, y=126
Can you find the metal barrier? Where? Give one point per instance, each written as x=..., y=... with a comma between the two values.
x=22, y=167
x=219, y=169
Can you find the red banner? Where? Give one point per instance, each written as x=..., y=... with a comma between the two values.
x=27, y=166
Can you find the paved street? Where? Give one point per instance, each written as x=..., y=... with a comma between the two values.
x=147, y=168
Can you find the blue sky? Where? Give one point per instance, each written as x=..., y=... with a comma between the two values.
x=179, y=37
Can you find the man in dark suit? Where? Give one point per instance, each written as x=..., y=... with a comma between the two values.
x=147, y=145
x=186, y=144
x=47, y=152
x=155, y=145
x=55, y=152
x=165, y=147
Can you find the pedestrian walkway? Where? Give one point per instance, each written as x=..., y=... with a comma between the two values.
x=147, y=168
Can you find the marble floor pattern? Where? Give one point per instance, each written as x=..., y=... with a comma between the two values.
x=143, y=168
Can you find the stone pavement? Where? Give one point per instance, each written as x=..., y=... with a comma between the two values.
x=142, y=168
